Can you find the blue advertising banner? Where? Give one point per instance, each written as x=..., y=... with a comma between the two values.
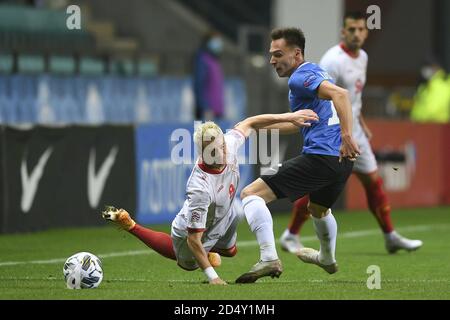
x=161, y=173
x=160, y=182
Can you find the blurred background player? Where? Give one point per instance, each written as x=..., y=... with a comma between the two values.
x=432, y=99
x=347, y=64
x=321, y=170
x=208, y=219
x=208, y=79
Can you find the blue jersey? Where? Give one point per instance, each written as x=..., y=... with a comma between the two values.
x=324, y=136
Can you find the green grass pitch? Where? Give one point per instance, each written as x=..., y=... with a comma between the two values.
x=31, y=264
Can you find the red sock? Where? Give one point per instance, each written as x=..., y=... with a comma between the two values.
x=299, y=215
x=159, y=241
x=379, y=205
x=231, y=252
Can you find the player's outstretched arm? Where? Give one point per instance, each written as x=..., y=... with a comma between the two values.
x=341, y=101
x=288, y=122
x=194, y=241
x=283, y=128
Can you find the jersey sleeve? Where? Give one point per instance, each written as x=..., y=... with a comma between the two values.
x=331, y=66
x=198, y=203
x=366, y=58
x=306, y=83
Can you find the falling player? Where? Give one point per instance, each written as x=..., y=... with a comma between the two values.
x=207, y=222
x=347, y=64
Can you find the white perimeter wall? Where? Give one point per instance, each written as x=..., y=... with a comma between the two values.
x=320, y=20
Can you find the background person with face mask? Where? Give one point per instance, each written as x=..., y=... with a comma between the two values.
x=208, y=79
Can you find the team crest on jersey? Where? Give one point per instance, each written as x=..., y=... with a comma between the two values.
x=232, y=190
x=308, y=81
x=195, y=216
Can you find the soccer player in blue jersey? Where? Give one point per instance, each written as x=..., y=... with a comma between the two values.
x=347, y=64
x=320, y=171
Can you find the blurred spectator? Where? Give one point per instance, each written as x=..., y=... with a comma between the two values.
x=54, y=4
x=208, y=79
x=432, y=99
x=18, y=2
x=50, y=4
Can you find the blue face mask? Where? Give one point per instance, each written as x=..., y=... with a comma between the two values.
x=215, y=45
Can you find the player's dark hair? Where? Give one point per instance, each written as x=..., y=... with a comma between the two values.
x=292, y=36
x=355, y=15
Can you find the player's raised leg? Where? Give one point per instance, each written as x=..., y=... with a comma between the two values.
x=379, y=206
x=326, y=230
x=254, y=199
x=159, y=241
x=290, y=240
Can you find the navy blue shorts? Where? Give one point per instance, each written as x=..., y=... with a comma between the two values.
x=321, y=177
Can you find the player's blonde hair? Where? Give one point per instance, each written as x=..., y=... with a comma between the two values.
x=207, y=132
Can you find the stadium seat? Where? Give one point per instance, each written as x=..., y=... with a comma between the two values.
x=31, y=64
x=61, y=64
x=6, y=63
x=94, y=99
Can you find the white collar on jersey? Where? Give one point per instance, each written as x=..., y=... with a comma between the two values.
x=303, y=64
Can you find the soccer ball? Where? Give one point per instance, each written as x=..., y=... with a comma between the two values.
x=83, y=270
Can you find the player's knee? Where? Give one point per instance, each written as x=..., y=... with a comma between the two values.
x=370, y=180
x=317, y=211
x=260, y=189
x=231, y=252
x=187, y=266
x=247, y=191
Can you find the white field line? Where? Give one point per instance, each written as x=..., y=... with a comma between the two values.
x=345, y=235
x=260, y=281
